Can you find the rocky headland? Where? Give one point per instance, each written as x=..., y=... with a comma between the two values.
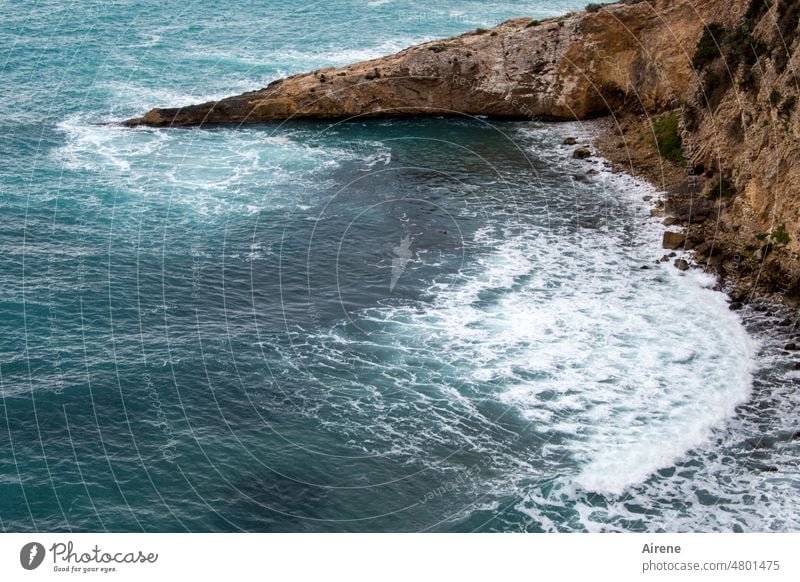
x=698, y=96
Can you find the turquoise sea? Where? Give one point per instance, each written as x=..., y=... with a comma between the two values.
x=414, y=325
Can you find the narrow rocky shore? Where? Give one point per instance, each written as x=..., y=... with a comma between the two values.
x=700, y=98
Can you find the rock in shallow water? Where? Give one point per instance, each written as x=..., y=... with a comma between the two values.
x=582, y=153
x=682, y=264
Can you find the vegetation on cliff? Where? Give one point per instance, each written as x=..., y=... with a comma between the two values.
x=711, y=85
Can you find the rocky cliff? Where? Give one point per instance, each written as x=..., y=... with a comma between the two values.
x=740, y=128
x=728, y=153
x=707, y=86
x=576, y=66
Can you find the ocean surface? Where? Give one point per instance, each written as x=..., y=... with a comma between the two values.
x=416, y=325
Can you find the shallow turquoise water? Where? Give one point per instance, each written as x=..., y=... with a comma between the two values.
x=388, y=326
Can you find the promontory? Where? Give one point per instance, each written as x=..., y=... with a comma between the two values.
x=701, y=97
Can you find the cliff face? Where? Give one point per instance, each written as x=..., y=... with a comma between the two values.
x=741, y=125
x=725, y=69
x=572, y=67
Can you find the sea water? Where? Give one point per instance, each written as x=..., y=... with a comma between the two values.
x=410, y=325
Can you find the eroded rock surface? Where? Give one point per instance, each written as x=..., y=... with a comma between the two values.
x=725, y=69
x=573, y=67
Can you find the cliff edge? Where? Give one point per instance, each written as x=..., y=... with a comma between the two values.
x=702, y=93
x=576, y=66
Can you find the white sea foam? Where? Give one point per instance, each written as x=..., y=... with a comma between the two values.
x=207, y=170
x=625, y=370
x=628, y=368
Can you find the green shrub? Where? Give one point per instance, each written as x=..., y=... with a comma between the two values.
x=593, y=7
x=533, y=22
x=780, y=236
x=741, y=47
x=668, y=138
x=481, y=31
x=774, y=97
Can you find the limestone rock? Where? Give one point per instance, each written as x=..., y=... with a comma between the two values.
x=673, y=240
x=739, y=135
x=573, y=67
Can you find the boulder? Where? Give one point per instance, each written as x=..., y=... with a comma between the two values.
x=582, y=153
x=570, y=141
x=673, y=240
x=682, y=264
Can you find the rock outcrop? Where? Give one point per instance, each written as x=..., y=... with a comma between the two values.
x=708, y=87
x=574, y=67
x=741, y=131
x=732, y=171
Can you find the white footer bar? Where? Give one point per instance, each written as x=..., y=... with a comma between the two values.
x=406, y=557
